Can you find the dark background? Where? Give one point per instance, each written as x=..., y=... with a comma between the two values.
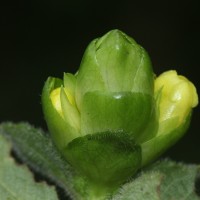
x=43, y=38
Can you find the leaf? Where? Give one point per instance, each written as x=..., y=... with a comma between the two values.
x=16, y=181
x=164, y=180
x=35, y=148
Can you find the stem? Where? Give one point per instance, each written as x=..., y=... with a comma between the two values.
x=98, y=192
x=90, y=190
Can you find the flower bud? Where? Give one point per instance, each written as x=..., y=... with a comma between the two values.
x=114, y=63
x=56, y=104
x=176, y=96
x=114, y=89
x=108, y=120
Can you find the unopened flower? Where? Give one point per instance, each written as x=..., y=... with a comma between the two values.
x=113, y=116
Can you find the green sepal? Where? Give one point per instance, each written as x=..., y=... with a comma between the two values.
x=106, y=159
x=126, y=111
x=153, y=148
x=70, y=82
x=69, y=111
x=61, y=131
x=114, y=63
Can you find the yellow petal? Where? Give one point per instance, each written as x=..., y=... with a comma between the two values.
x=178, y=95
x=55, y=99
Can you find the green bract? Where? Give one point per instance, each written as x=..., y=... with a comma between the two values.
x=108, y=120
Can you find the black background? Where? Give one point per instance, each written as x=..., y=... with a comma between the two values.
x=46, y=38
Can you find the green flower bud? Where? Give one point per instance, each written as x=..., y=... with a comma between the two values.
x=114, y=63
x=108, y=119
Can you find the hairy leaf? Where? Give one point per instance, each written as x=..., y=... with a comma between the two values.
x=16, y=181
x=164, y=180
x=35, y=147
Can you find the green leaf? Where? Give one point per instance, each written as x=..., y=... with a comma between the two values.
x=35, y=147
x=164, y=180
x=16, y=181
